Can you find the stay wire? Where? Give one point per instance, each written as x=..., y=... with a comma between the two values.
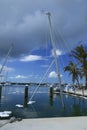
x=42, y=80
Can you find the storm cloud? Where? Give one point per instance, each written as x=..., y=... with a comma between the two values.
x=24, y=23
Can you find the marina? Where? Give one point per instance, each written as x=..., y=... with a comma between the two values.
x=43, y=105
x=43, y=65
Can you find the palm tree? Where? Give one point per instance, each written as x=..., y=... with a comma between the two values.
x=80, y=53
x=74, y=71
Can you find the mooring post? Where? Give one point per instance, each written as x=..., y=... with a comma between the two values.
x=51, y=92
x=26, y=91
x=0, y=93
x=26, y=96
x=51, y=96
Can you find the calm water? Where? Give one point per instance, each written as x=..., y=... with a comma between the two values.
x=45, y=106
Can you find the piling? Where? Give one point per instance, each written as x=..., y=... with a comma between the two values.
x=26, y=91
x=51, y=96
x=51, y=92
x=26, y=96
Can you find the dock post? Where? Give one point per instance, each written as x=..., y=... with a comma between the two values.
x=51, y=91
x=0, y=94
x=26, y=91
x=51, y=96
x=26, y=96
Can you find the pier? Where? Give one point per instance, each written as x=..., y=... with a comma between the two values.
x=78, y=93
x=70, y=123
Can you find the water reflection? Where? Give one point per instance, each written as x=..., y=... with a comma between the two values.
x=26, y=97
x=46, y=104
x=0, y=94
x=51, y=101
x=79, y=107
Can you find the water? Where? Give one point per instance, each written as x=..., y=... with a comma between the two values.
x=44, y=106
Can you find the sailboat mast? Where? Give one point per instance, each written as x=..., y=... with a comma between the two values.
x=55, y=55
x=54, y=49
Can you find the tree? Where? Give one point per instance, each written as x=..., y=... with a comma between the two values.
x=80, y=53
x=74, y=71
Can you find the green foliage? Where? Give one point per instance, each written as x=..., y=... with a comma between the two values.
x=80, y=54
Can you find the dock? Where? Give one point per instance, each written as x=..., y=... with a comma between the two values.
x=78, y=93
x=69, y=123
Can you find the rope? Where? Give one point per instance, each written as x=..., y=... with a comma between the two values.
x=41, y=80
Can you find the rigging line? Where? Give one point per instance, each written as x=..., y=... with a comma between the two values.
x=6, y=58
x=61, y=34
x=41, y=80
x=63, y=40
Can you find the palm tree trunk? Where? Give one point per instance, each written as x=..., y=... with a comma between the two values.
x=83, y=91
x=78, y=82
x=74, y=87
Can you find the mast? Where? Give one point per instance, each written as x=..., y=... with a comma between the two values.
x=9, y=51
x=55, y=55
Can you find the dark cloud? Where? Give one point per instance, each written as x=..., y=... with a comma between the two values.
x=23, y=23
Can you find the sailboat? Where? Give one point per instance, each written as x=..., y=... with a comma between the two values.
x=56, y=61
x=55, y=55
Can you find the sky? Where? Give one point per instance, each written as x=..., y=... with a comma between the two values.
x=25, y=25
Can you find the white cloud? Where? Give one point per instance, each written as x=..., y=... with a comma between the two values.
x=31, y=58
x=20, y=77
x=58, y=52
x=6, y=69
x=53, y=74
